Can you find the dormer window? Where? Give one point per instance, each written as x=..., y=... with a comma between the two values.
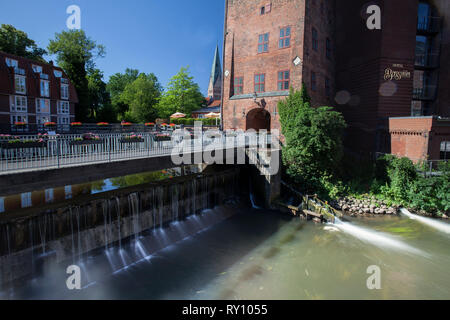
x=37, y=69
x=57, y=73
x=11, y=63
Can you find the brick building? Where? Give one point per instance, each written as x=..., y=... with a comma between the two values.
x=32, y=94
x=369, y=75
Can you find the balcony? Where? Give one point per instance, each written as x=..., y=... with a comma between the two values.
x=426, y=93
x=427, y=61
x=429, y=25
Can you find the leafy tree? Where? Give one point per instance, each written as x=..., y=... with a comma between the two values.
x=142, y=96
x=99, y=98
x=116, y=86
x=16, y=42
x=75, y=53
x=182, y=95
x=313, y=140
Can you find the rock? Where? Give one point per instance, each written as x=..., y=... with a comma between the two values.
x=444, y=216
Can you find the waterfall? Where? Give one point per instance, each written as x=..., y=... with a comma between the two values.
x=376, y=238
x=105, y=221
x=71, y=228
x=43, y=232
x=175, y=202
x=133, y=204
x=160, y=205
x=438, y=225
x=118, y=221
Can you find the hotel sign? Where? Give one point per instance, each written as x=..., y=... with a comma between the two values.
x=390, y=74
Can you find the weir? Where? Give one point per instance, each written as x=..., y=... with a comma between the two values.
x=33, y=240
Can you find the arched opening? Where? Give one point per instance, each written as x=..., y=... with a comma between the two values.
x=258, y=119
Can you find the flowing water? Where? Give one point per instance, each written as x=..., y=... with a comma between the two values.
x=246, y=253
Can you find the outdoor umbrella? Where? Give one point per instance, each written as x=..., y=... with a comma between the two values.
x=212, y=115
x=178, y=115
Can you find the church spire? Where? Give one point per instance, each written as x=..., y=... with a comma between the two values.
x=215, y=80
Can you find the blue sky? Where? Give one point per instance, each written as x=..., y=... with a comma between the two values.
x=158, y=36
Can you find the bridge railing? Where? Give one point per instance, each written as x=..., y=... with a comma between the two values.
x=36, y=152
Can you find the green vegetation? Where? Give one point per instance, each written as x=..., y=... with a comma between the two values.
x=314, y=162
x=313, y=149
x=16, y=42
x=182, y=95
x=191, y=121
x=75, y=53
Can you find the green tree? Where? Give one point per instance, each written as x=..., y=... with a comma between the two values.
x=182, y=95
x=75, y=53
x=313, y=140
x=16, y=42
x=116, y=86
x=99, y=99
x=142, y=96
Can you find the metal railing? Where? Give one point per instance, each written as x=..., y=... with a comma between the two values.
x=32, y=152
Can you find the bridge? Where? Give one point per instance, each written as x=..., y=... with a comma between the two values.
x=38, y=162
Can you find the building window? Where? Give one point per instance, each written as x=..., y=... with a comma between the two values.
x=57, y=73
x=263, y=43
x=65, y=91
x=19, y=118
x=283, y=80
x=327, y=87
x=37, y=69
x=445, y=150
x=64, y=120
x=42, y=119
x=328, y=48
x=2, y=204
x=68, y=192
x=19, y=104
x=49, y=195
x=313, y=81
x=285, y=37
x=63, y=107
x=20, y=84
x=42, y=106
x=45, y=88
x=11, y=63
x=26, y=200
x=238, y=85
x=262, y=10
x=260, y=82
x=315, y=41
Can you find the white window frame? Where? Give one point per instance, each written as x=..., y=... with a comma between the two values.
x=36, y=68
x=23, y=116
x=18, y=85
x=14, y=105
x=42, y=119
x=26, y=200
x=64, y=91
x=57, y=73
x=64, y=120
x=63, y=107
x=38, y=106
x=12, y=62
x=45, y=88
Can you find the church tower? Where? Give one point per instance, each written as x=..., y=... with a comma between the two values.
x=215, y=80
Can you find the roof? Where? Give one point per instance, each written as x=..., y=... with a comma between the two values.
x=207, y=110
x=33, y=79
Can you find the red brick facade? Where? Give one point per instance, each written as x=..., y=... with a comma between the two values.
x=244, y=58
x=28, y=112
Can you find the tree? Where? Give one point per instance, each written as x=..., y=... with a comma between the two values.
x=116, y=86
x=142, y=96
x=99, y=99
x=16, y=42
x=313, y=139
x=75, y=53
x=182, y=95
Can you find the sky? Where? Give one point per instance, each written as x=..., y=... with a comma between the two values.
x=158, y=36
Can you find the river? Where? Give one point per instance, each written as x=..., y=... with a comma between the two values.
x=262, y=254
